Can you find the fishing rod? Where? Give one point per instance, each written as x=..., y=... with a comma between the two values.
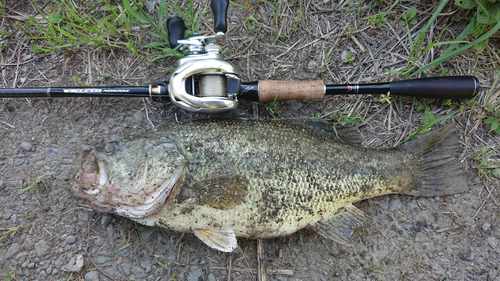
x=204, y=82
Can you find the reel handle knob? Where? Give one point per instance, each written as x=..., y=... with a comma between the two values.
x=176, y=28
x=219, y=10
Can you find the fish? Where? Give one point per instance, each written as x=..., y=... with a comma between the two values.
x=257, y=179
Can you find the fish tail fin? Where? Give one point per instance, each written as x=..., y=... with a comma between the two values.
x=438, y=171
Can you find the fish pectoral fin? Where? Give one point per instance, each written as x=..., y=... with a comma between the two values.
x=339, y=228
x=220, y=239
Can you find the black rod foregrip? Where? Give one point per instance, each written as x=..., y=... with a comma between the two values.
x=219, y=10
x=450, y=87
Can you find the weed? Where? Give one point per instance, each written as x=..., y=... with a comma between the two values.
x=483, y=156
x=492, y=122
x=172, y=278
x=162, y=265
x=486, y=16
x=29, y=215
x=378, y=20
x=67, y=27
x=251, y=19
x=272, y=108
x=244, y=7
x=342, y=117
x=276, y=6
x=191, y=20
x=301, y=239
x=452, y=50
x=139, y=230
x=5, y=231
x=9, y=276
x=423, y=265
x=349, y=57
x=409, y=17
x=374, y=270
x=327, y=60
x=385, y=98
x=430, y=120
x=37, y=181
x=297, y=20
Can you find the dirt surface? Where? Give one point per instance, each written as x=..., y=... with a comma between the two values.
x=55, y=237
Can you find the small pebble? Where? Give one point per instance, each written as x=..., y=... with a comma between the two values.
x=394, y=204
x=42, y=275
x=12, y=251
x=92, y=276
x=312, y=65
x=42, y=248
x=83, y=216
x=418, y=225
x=49, y=270
x=102, y=260
x=58, y=263
x=496, y=173
x=7, y=215
x=31, y=265
x=18, y=162
x=195, y=273
x=106, y=219
x=76, y=263
x=125, y=268
x=71, y=239
x=26, y=146
x=470, y=256
x=485, y=226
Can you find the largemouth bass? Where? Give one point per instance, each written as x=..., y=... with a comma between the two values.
x=260, y=179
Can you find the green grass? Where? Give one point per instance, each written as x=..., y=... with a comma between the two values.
x=29, y=187
x=484, y=167
x=100, y=24
x=418, y=51
x=65, y=26
x=343, y=117
x=429, y=120
x=6, y=231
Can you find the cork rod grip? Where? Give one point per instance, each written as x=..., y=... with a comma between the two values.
x=270, y=90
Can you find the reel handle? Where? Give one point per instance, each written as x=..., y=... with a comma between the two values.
x=219, y=10
x=176, y=28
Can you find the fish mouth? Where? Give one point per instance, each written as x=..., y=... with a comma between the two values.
x=154, y=201
x=101, y=176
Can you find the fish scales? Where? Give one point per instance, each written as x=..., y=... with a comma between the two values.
x=262, y=179
x=329, y=182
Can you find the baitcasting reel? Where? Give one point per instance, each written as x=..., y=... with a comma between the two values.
x=203, y=81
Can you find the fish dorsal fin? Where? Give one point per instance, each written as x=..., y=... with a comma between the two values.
x=348, y=134
x=220, y=239
x=339, y=228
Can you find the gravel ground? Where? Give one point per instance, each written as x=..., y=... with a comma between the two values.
x=49, y=235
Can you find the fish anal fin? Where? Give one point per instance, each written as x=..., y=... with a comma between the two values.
x=339, y=228
x=220, y=239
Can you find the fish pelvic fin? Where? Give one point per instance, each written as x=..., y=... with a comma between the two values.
x=339, y=228
x=438, y=171
x=220, y=239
